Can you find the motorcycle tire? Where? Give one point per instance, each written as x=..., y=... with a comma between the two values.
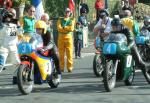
x=130, y=79
x=109, y=79
x=97, y=65
x=25, y=85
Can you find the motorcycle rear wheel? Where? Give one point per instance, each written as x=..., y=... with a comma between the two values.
x=97, y=65
x=146, y=75
x=130, y=79
x=24, y=84
x=109, y=77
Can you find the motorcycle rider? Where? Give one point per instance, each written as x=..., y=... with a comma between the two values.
x=48, y=44
x=8, y=39
x=118, y=27
x=129, y=21
x=146, y=25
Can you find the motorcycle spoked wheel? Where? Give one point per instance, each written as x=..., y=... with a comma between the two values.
x=54, y=80
x=130, y=79
x=97, y=65
x=109, y=78
x=24, y=84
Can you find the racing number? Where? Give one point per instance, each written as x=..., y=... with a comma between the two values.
x=13, y=33
x=129, y=61
x=108, y=48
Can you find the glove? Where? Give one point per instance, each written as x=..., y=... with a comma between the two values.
x=42, y=50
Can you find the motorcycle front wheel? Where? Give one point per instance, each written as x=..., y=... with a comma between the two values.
x=24, y=82
x=109, y=77
x=97, y=65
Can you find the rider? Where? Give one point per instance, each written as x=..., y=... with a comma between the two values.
x=118, y=27
x=48, y=44
x=146, y=23
x=8, y=39
x=129, y=21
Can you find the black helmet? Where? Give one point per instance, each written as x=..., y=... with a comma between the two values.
x=116, y=22
x=104, y=12
x=4, y=14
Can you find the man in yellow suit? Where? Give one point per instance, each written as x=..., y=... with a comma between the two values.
x=65, y=28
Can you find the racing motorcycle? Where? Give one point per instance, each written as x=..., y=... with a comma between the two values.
x=97, y=61
x=143, y=44
x=119, y=64
x=35, y=68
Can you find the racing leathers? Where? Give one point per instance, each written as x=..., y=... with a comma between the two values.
x=133, y=47
x=8, y=44
x=50, y=46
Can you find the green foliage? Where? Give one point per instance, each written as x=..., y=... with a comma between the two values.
x=114, y=8
x=17, y=3
x=55, y=8
x=140, y=10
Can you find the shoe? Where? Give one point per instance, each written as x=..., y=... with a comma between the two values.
x=75, y=57
x=62, y=70
x=70, y=70
x=59, y=78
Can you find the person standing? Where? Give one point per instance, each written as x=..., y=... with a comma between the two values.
x=99, y=5
x=65, y=28
x=103, y=26
x=27, y=22
x=78, y=38
x=83, y=7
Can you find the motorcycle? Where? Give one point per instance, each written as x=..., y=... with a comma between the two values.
x=97, y=61
x=35, y=68
x=119, y=64
x=143, y=44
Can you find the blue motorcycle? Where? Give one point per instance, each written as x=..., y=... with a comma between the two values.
x=143, y=44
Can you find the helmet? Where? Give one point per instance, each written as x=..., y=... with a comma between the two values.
x=41, y=25
x=104, y=12
x=116, y=22
x=4, y=14
x=147, y=20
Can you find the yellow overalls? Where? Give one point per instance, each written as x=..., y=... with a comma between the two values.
x=65, y=28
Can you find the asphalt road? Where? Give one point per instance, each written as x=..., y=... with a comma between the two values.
x=80, y=86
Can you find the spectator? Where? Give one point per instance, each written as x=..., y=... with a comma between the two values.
x=65, y=28
x=45, y=18
x=78, y=37
x=99, y=5
x=6, y=4
x=82, y=19
x=83, y=7
x=28, y=21
x=103, y=26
